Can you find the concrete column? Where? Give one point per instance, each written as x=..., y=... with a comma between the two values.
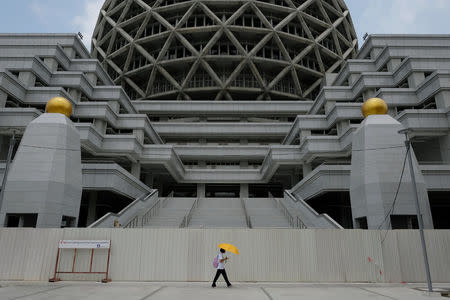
x=444, y=144
x=392, y=111
x=295, y=177
x=442, y=99
x=307, y=168
x=92, y=77
x=139, y=134
x=415, y=79
x=201, y=190
x=329, y=78
x=21, y=221
x=352, y=78
x=393, y=63
x=136, y=170
x=148, y=180
x=3, y=97
x=51, y=63
x=304, y=134
x=75, y=94
x=92, y=208
x=115, y=106
x=369, y=93
x=28, y=78
x=100, y=125
x=342, y=126
x=4, y=146
x=70, y=52
x=243, y=193
x=329, y=106
x=374, y=52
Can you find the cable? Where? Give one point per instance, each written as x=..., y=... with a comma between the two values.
x=397, y=191
x=49, y=148
x=395, y=197
x=383, y=148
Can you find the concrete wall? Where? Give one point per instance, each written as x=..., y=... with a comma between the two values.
x=266, y=254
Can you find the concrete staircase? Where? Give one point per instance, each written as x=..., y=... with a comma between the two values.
x=264, y=213
x=218, y=212
x=171, y=214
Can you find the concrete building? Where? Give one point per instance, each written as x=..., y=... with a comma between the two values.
x=182, y=155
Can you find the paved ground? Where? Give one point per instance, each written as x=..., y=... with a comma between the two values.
x=200, y=291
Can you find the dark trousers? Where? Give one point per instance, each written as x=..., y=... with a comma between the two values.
x=224, y=274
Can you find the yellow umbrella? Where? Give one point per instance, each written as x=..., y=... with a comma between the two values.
x=229, y=248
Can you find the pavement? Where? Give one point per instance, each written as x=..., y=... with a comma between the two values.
x=201, y=291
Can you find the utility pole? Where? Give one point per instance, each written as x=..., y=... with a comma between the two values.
x=12, y=143
x=419, y=215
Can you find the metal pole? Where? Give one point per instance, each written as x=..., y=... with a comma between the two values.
x=419, y=215
x=12, y=142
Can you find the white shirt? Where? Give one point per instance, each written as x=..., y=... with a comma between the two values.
x=221, y=265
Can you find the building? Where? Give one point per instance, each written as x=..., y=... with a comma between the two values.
x=189, y=138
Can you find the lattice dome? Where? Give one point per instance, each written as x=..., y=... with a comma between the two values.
x=223, y=50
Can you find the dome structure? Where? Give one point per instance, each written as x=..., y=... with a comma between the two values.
x=374, y=106
x=59, y=105
x=223, y=50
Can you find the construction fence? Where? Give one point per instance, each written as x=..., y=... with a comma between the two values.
x=271, y=255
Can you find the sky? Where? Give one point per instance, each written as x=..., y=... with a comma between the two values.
x=371, y=16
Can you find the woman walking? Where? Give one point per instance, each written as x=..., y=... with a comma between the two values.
x=221, y=260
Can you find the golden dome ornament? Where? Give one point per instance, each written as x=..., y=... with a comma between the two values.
x=59, y=105
x=374, y=106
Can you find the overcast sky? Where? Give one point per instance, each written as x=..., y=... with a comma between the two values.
x=371, y=16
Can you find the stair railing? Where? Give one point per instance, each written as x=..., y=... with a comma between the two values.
x=294, y=221
x=308, y=213
x=129, y=215
x=151, y=212
x=164, y=200
x=154, y=210
x=247, y=217
x=187, y=218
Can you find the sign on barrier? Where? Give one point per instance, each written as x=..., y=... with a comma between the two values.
x=82, y=244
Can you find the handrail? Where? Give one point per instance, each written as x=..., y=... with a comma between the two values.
x=293, y=220
x=247, y=217
x=164, y=200
x=108, y=219
x=187, y=218
x=150, y=212
x=133, y=223
x=314, y=214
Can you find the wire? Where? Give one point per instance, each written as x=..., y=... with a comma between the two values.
x=383, y=148
x=397, y=191
x=49, y=148
x=395, y=197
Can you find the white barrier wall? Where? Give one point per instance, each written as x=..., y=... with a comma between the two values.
x=266, y=254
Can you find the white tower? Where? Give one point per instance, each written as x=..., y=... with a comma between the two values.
x=378, y=158
x=44, y=185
